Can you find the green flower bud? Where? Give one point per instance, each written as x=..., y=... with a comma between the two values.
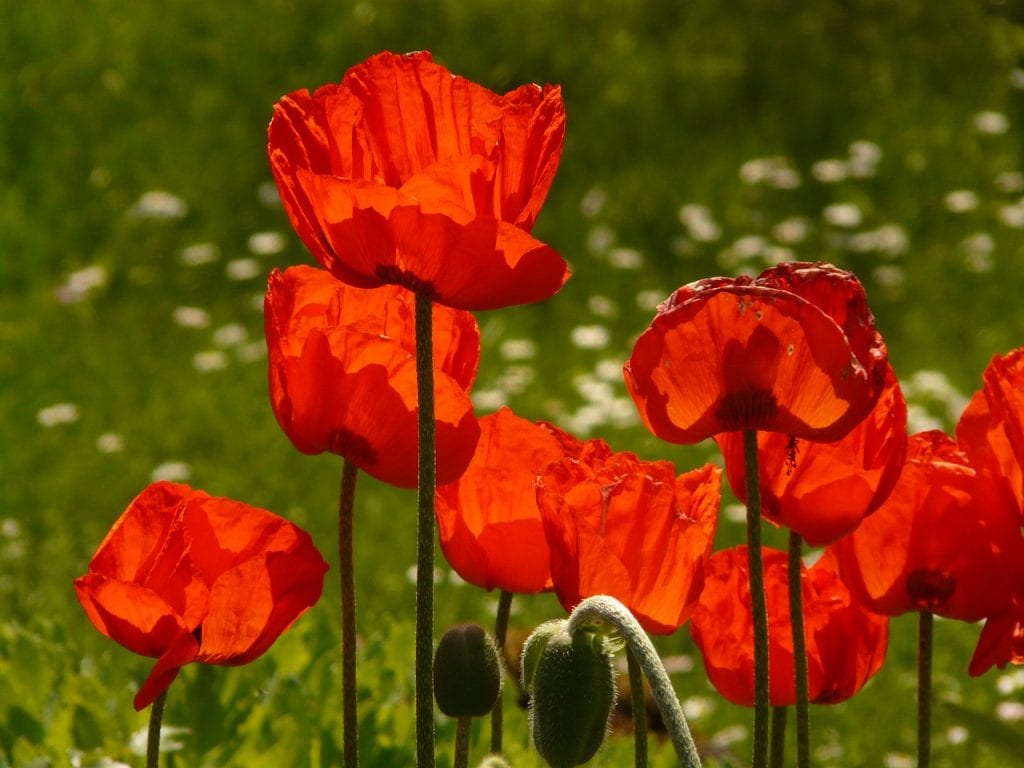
x=467, y=672
x=534, y=647
x=573, y=695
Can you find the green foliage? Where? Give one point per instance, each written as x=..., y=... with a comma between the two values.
x=669, y=105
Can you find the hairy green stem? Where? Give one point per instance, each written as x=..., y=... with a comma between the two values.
x=924, y=689
x=462, y=725
x=777, y=755
x=346, y=572
x=758, y=604
x=796, y=617
x=425, y=537
x=603, y=609
x=156, y=717
x=636, y=695
x=500, y=632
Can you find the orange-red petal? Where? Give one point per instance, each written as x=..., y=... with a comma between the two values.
x=846, y=643
x=489, y=525
x=823, y=490
x=941, y=542
x=991, y=429
x=631, y=529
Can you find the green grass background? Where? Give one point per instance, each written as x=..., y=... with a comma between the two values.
x=669, y=102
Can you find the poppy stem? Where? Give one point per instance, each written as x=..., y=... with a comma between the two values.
x=346, y=569
x=758, y=603
x=777, y=756
x=603, y=609
x=500, y=632
x=156, y=717
x=636, y=696
x=425, y=536
x=796, y=617
x=924, y=689
x=462, y=742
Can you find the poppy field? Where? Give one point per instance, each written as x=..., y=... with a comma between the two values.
x=704, y=242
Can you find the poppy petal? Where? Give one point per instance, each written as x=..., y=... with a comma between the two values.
x=488, y=522
x=181, y=651
x=628, y=528
x=252, y=603
x=354, y=394
x=744, y=357
x=823, y=490
x=133, y=615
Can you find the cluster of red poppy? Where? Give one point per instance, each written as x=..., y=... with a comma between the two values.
x=404, y=179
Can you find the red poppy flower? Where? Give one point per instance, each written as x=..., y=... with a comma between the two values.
x=794, y=350
x=823, y=490
x=490, y=528
x=846, y=643
x=343, y=374
x=991, y=428
x=631, y=529
x=183, y=577
x=941, y=542
x=406, y=174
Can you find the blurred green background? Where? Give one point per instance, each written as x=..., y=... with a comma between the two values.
x=138, y=221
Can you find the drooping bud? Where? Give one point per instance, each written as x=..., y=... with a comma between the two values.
x=534, y=647
x=467, y=672
x=573, y=693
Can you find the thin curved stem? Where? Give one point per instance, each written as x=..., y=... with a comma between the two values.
x=636, y=694
x=796, y=617
x=500, y=632
x=924, y=689
x=462, y=725
x=777, y=756
x=156, y=717
x=346, y=571
x=425, y=536
x=758, y=604
x=606, y=609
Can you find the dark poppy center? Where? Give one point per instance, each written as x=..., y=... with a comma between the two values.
x=389, y=273
x=353, y=447
x=748, y=409
x=929, y=590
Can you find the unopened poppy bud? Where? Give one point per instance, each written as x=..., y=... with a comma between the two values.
x=534, y=647
x=467, y=672
x=573, y=694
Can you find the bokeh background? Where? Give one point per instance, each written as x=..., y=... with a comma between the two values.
x=138, y=221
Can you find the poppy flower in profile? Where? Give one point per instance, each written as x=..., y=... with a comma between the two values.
x=793, y=350
x=183, y=576
x=632, y=529
x=343, y=374
x=406, y=174
x=489, y=525
x=846, y=643
x=823, y=490
x=942, y=542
